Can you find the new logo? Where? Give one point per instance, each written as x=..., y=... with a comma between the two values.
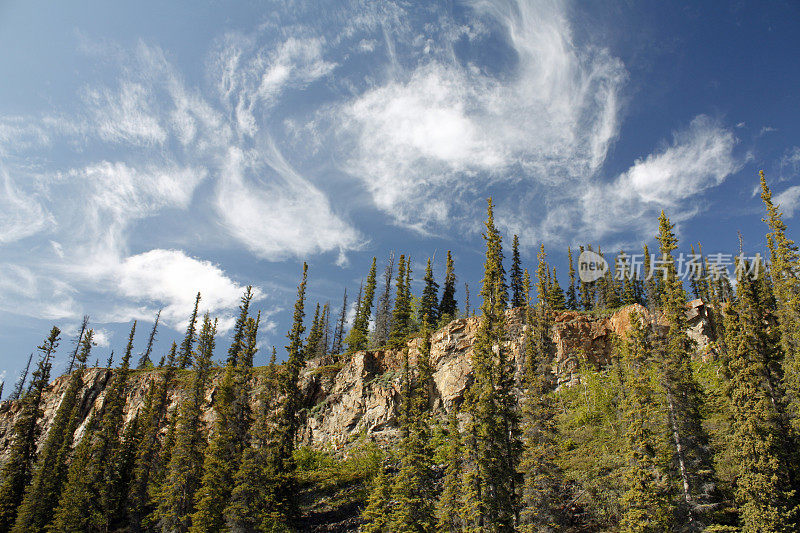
x=591, y=266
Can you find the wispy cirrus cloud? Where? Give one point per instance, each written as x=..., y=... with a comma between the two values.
x=453, y=127
x=699, y=157
x=789, y=200
x=170, y=138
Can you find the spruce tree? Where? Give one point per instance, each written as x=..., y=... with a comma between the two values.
x=264, y=493
x=412, y=490
x=383, y=312
x=16, y=394
x=41, y=495
x=183, y=474
x=77, y=342
x=18, y=468
x=629, y=295
x=429, y=303
x=325, y=326
x=784, y=263
x=492, y=443
x=401, y=316
x=314, y=335
x=587, y=297
x=149, y=452
x=221, y=461
x=572, y=297
x=338, y=333
x=448, y=307
x=358, y=336
x=377, y=513
x=543, y=480
x=289, y=418
x=556, y=294
x=90, y=499
x=449, y=503
x=645, y=500
x=515, y=275
x=185, y=352
x=144, y=361
x=230, y=435
x=761, y=440
x=238, y=329
x=694, y=467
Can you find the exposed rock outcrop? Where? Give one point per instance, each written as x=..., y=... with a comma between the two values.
x=363, y=393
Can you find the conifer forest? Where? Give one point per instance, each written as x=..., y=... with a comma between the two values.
x=661, y=435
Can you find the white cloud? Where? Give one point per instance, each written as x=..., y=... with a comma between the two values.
x=31, y=292
x=791, y=160
x=446, y=129
x=102, y=337
x=250, y=79
x=126, y=115
x=789, y=200
x=699, y=157
x=21, y=215
x=281, y=216
x=171, y=279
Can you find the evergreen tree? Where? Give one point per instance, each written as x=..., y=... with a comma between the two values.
x=572, y=297
x=149, y=452
x=357, y=338
x=492, y=444
x=515, y=274
x=231, y=429
x=449, y=504
x=556, y=294
x=587, y=300
x=760, y=438
x=448, y=307
x=466, y=300
x=542, y=487
x=16, y=394
x=401, y=317
x=412, y=491
x=221, y=460
x=264, y=494
x=144, y=361
x=18, y=468
x=176, y=497
x=378, y=510
x=314, y=335
x=77, y=342
x=338, y=334
x=41, y=495
x=651, y=292
x=645, y=502
x=289, y=417
x=609, y=290
x=674, y=352
x=185, y=352
x=90, y=499
x=429, y=303
x=784, y=263
x=383, y=313
x=238, y=337
x=325, y=326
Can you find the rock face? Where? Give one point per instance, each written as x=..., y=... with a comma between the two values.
x=363, y=394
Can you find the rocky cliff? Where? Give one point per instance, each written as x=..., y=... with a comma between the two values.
x=363, y=393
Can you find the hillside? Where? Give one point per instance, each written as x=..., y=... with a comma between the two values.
x=353, y=399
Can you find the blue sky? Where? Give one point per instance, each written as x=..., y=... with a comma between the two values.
x=150, y=150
